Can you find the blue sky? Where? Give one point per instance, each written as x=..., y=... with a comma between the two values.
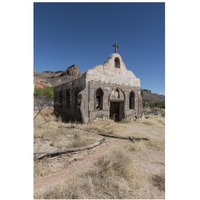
x=83, y=34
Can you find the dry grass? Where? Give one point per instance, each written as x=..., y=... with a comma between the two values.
x=108, y=127
x=46, y=166
x=41, y=168
x=159, y=181
x=114, y=176
x=54, y=134
x=151, y=121
x=48, y=112
x=136, y=146
x=50, y=137
x=157, y=144
x=80, y=141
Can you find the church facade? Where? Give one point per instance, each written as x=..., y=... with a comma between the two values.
x=107, y=91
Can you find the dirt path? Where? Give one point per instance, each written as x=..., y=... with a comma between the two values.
x=145, y=130
x=79, y=165
x=151, y=161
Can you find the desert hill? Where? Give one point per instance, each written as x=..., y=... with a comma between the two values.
x=50, y=78
x=148, y=96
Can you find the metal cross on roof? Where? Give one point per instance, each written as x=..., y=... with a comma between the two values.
x=115, y=45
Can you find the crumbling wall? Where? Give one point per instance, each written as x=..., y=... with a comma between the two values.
x=83, y=93
x=109, y=73
x=107, y=88
x=72, y=112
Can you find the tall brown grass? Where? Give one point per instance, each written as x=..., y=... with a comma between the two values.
x=157, y=144
x=114, y=176
x=136, y=146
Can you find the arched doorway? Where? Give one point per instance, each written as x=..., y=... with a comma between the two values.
x=117, y=104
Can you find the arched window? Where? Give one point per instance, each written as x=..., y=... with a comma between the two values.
x=60, y=99
x=132, y=100
x=117, y=63
x=117, y=94
x=99, y=99
x=68, y=99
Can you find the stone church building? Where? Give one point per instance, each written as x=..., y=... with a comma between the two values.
x=103, y=92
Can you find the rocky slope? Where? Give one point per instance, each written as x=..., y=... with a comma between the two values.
x=152, y=97
x=50, y=78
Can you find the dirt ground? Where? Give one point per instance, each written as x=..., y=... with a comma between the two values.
x=147, y=182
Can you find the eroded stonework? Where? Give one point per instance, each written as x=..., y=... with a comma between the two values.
x=106, y=91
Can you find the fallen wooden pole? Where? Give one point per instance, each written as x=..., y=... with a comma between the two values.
x=107, y=135
x=123, y=138
x=68, y=150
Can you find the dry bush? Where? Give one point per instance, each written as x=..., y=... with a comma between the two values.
x=152, y=121
x=107, y=127
x=157, y=144
x=62, y=191
x=112, y=128
x=114, y=176
x=159, y=181
x=117, y=163
x=100, y=126
x=47, y=112
x=80, y=141
x=136, y=146
x=60, y=137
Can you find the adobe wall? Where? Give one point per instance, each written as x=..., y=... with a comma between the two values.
x=106, y=77
x=87, y=111
x=73, y=113
x=107, y=89
x=108, y=73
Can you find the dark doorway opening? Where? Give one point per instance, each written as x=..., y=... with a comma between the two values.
x=116, y=111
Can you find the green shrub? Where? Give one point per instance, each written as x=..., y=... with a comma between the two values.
x=156, y=104
x=160, y=105
x=142, y=93
x=46, y=91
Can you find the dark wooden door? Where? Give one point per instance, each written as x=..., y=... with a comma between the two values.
x=117, y=111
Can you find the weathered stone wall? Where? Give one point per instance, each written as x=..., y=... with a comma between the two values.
x=108, y=73
x=70, y=112
x=108, y=77
x=107, y=89
x=87, y=112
